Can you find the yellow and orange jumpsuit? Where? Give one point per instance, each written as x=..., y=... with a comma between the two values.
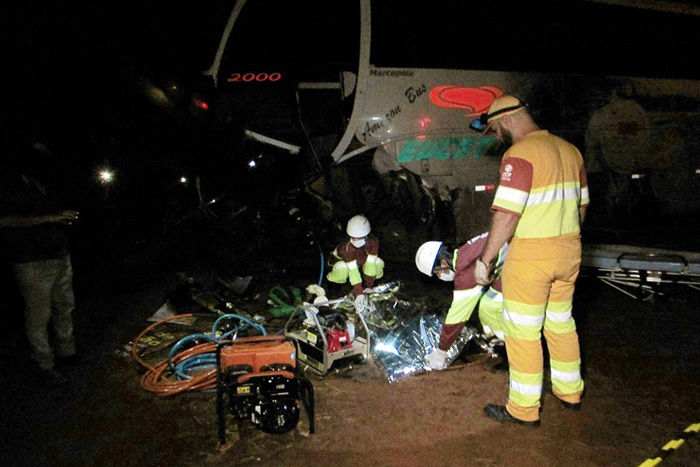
x=543, y=181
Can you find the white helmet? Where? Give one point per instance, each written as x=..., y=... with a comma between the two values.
x=426, y=255
x=358, y=227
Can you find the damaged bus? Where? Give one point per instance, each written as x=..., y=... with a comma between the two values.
x=396, y=84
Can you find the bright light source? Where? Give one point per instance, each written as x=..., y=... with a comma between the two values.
x=106, y=176
x=201, y=103
x=252, y=164
x=183, y=179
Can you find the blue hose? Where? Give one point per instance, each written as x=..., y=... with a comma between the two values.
x=207, y=360
x=204, y=361
x=185, y=339
x=320, y=277
x=247, y=321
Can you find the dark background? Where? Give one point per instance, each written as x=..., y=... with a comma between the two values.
x=77, y=77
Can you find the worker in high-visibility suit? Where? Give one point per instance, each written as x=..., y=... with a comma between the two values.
x=539, y=206
x=458, y=265
x=357, y=259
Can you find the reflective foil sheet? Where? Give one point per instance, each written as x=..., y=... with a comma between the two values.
x=402, y=334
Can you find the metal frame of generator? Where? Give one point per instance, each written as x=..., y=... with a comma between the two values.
x=261, y=379
x=312, y=344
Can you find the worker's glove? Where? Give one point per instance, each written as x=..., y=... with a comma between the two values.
x=315, y=289
x=483, y=273
x=361, y=302
x=436, y=359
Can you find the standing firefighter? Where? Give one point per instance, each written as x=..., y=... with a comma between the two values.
x=458, y=265
x=540, y=203
x=357, y=259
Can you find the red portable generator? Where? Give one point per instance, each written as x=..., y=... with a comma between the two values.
x=259, y=375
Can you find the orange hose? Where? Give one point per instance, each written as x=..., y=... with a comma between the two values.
x=155, y=381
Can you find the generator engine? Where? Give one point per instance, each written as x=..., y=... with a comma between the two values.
x=260, y=378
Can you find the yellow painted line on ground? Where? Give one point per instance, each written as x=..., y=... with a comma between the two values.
x=670, y=447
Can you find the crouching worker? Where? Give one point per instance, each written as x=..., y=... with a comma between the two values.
x=357, y=259
x=458, y=265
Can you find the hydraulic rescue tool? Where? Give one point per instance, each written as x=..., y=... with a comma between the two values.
x=260, y=377
x=326, y=334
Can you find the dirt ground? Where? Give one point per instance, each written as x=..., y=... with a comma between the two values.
x=641, y=361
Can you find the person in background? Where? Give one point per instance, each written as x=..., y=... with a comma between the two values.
x=539, y=206
x=34, y=240
x=357, y=259
x=458, y=265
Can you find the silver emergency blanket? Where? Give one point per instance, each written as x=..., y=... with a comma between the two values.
x=403, y=333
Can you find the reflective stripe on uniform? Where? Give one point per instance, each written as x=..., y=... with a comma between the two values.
x=510, y=199
x=521, y=319
x=525, y=388
x=354, y=272
x=339, y=273
x=551, y=211
x=566, y=377
x=559, y=318
x=463, y=304
x=554, y=193
x=511, y=195
x=374, y=266
x=491, y=313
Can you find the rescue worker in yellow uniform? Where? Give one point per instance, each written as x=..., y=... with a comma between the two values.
x=357, y=259
x=539, y=206
x=458, y=265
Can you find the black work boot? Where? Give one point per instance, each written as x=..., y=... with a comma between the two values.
x=501, y=415
x=571, y=405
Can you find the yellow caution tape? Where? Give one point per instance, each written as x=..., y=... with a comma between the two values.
x=671, y=446
x=694, y=427
x=674, y=444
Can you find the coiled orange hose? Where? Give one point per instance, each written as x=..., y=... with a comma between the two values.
x=155, y=379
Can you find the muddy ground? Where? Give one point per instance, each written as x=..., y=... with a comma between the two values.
x=641, y=362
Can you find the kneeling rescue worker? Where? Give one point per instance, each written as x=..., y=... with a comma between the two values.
x=357, y=259
x=458, y=265
x=539, y=205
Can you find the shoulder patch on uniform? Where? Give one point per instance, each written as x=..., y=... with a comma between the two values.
x=507, y=173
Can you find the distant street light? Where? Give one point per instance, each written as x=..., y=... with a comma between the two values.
x=106, y=176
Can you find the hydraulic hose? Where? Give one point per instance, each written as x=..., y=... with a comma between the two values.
x=195, y=367
x=320, y=276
